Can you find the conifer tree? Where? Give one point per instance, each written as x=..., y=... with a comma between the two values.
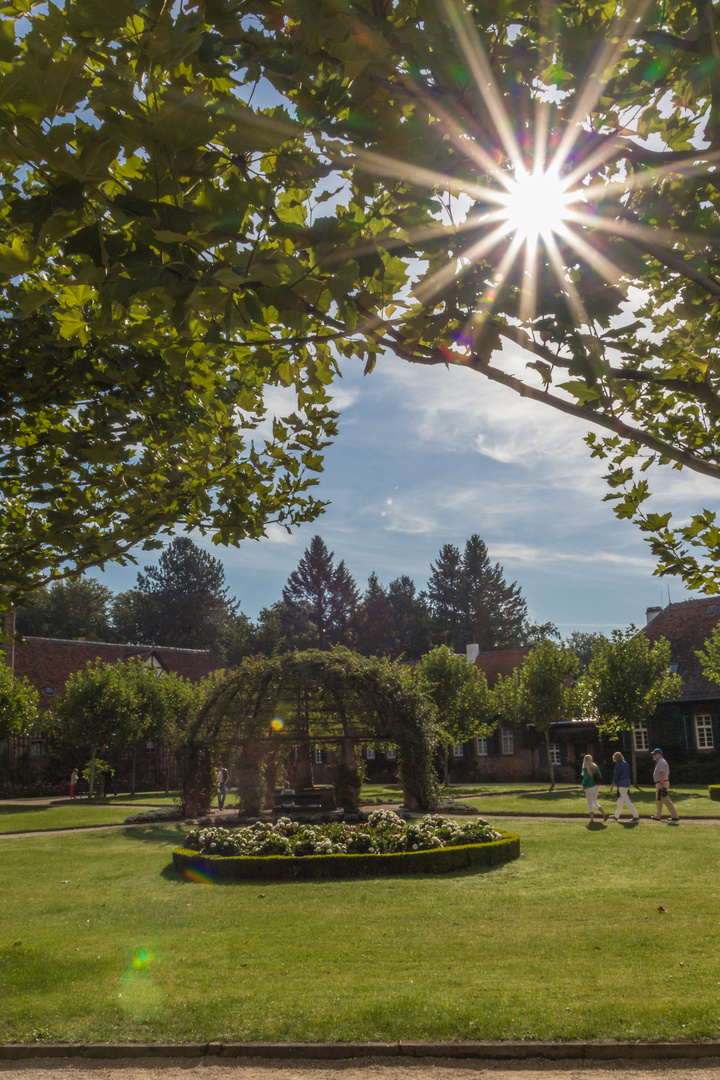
x=320, y=596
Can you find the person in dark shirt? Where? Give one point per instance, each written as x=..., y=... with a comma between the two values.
x=108, y=785
x=622, y=780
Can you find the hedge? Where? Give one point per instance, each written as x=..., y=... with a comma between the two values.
x=714, y=790
x=286, y=868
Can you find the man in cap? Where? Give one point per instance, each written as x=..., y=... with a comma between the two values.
x=661, y=776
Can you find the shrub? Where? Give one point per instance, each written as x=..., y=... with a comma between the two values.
x=714, y=790
x=384, y=833
x=280, y=868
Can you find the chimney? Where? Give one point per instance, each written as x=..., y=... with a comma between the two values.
x=651, y=613
x=472, y=652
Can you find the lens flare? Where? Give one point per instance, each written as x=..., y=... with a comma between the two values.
x=200, y=875
x=277, y=723
x=536, y=203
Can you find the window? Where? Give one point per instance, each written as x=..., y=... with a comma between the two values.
x=36, y=749
x=641, y=737
x=555, y=758
x=676, y=667
x=370, y=753
x=320, y=756
x=704, y=733
x=482, y=747
x=458, y=750
x=150, y=745
x=391, y=754
x=714, y=609
x=508, y=741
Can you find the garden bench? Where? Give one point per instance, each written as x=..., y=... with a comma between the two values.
x=286, y=801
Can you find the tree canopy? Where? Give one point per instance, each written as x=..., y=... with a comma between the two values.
x=627, y=679
x=201, y=201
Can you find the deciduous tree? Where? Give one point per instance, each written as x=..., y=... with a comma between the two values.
x=465, y=706
x=68, y=609
x=18, y=704
x=541, y=691
x=627, y=679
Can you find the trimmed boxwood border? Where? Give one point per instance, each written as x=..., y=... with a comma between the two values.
x=714, y=790
x=288, y=867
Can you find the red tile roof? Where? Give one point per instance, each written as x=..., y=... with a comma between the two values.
x=48, y=662
x=501, y=662
x=687, y=626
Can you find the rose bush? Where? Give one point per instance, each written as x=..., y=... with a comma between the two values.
x=384, y=833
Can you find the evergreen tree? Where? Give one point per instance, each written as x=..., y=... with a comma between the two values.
x=470, y=601
x=410, y=618
x=77, y=610
x=444, y=592
x=373, y=628
x=182, y=602
x=493, y=614
x=319, y=598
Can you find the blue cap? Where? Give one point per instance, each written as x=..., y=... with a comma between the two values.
x=657, y=750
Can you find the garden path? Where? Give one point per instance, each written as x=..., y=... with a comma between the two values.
x=379, y=1069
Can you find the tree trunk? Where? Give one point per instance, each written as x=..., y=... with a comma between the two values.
x=551, y=767
x=133, y=770
x=446, y=767
x=92, y=772
x=303, y=769
x=633, y=757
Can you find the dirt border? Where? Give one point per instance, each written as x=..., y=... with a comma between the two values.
x=489, y=1051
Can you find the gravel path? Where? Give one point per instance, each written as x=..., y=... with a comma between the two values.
x=378, y=1069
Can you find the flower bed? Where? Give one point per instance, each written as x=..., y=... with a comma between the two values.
x=386, y=844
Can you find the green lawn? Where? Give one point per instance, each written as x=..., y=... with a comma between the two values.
x=144, y=798
x=392, y=793
x=64, y=816
x=101, y=940
x=688, y=799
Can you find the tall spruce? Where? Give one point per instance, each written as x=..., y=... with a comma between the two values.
x=493, y=614
x=470, y=600
x=444, y=590
x=410, y=618
x=373, y=622
x=320, y=597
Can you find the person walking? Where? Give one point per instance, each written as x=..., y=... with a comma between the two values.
x=661, y=776
x=73, y=783
x=621, y=778
x=222, y=786
x=108, y=785
x=591, y=777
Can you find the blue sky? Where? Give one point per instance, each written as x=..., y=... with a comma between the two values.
x=428, y=456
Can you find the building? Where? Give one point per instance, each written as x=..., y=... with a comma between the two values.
x=687, y=728
x=47, y=663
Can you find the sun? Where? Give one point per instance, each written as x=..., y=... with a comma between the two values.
x=536, y=204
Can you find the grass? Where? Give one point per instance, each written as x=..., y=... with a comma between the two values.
x=64, y=816
x=691, y=800
x=101, y=940
x=393, y=793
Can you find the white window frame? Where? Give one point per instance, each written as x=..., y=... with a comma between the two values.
x=319, y=759
x=481, y=745
x=370, y=753
x=507, y=741
x=641, y=736
x=391, y=753
x=459, y=750
x=704, y=732
x=555, y=754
